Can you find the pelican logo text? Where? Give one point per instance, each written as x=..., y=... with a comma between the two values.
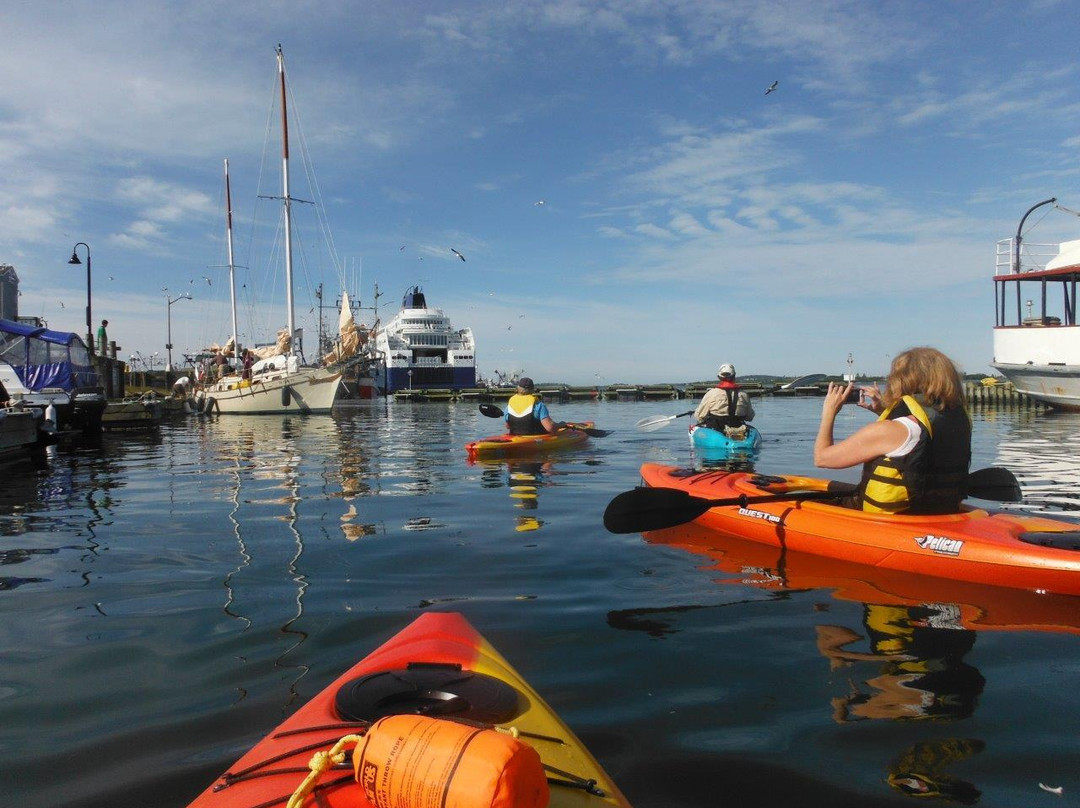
x=768, y=517
x=940, y=544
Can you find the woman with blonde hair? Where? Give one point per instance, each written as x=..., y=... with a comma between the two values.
x=916, y=455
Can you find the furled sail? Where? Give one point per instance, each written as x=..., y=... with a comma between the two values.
x=351, y=336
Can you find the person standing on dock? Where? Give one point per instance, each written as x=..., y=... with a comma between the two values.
x=526, y=414
x=724, y=406
x=917, y=454
x=103, y=339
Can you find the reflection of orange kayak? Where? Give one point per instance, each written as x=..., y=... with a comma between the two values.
x=514, y=445
x=974, y=546
x=437, y=666
x=771, y=568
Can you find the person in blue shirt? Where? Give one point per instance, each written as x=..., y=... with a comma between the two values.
x=526, y=414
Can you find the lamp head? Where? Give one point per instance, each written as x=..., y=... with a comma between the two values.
x=74, y=258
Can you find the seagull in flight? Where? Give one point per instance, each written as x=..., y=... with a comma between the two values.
x=540, y=203
x=771, y=87
x=459, y=255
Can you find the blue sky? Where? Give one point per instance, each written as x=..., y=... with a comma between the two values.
x=688, y=218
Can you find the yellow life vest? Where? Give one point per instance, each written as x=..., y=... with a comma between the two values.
x=931, y=478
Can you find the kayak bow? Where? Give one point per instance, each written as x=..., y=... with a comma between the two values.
x=441, y=666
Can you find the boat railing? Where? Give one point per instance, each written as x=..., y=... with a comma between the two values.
x=1033, y=257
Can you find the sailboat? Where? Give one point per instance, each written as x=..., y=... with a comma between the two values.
x=277, y=383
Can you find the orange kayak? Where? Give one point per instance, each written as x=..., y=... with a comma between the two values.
x=735, y=560
x=506, y=445
x=977, y=546
x=440, y=666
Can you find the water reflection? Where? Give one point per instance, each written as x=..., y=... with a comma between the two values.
x=957, y=604
x=920, y=770
x=261, y=460
x=918, y=654
x=1041, y=450
x=524, y=479
x=906, y=661
x=716, y=458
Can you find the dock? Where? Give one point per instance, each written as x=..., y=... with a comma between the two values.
x=990, y=392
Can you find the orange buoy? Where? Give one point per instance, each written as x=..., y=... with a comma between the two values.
x=412, y=761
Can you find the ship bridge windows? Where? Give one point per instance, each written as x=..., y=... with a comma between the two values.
x=431, y=340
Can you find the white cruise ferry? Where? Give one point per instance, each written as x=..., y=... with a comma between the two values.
x=419, y=349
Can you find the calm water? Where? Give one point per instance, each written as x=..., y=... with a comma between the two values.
x=166, y=601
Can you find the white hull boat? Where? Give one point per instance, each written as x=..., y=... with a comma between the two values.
x=1036, y=335
x=271, y=391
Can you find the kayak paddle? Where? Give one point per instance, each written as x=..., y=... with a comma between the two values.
x=491, y=411
x=642, y=509
x=654, y=422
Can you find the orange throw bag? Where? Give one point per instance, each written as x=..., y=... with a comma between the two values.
x=412, y=761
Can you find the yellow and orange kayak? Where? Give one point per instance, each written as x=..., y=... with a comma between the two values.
x=438, y=667
x=521, y=445
x=975, y=545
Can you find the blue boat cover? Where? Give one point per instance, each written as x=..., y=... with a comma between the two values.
x=43, y=358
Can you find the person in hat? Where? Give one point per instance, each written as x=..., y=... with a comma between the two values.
x=724, y=406
x=526, y=414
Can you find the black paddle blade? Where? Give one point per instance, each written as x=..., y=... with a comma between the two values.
x=642, y=509
x=995, y=483
x=588, y=430
x=491, y=411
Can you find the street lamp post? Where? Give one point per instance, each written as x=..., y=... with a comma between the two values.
x=89, y=323
x=168, y=326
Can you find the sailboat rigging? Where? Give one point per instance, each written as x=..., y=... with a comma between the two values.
x=276, y=383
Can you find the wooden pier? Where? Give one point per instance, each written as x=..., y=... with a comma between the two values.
x=999, y=395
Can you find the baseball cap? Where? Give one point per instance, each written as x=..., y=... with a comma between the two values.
x=525, y=383
x=726, y=369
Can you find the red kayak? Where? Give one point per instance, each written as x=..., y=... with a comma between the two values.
x=436, y=684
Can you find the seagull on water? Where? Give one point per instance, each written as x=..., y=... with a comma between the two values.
x=771, y=87
x=459, y=255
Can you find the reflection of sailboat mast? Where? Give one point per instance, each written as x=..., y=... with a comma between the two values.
x=293, y=484
x=245, y=557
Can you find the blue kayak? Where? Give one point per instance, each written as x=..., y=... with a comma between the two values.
x=701, y=437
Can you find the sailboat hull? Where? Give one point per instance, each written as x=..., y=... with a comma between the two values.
x=308, y=390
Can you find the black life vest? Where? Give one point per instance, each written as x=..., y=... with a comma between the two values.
x=932, y=477
x=731, y=419
x=520, y=415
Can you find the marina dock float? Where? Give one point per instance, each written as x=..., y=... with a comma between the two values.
x=583, y=393
x=426, y=395
x=127, y=415
x=995, y=393
x=657, y=392
x=553, y=393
